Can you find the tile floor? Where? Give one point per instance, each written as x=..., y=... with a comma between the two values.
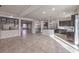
x=32, y=43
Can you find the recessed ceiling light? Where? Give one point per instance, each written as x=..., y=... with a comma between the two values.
x=44, y=12
x=11, y=16
x=53, y=9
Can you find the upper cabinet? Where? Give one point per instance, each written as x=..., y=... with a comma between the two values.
x=68, y=22
x=65, y=23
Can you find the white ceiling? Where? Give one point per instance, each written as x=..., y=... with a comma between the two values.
x=39, y=12
x=13, y=9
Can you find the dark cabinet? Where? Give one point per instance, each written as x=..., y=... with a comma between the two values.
x=72, y=20
x=68, y=22
x=64, y=23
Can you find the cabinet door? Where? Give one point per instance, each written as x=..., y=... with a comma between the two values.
x=73, y=20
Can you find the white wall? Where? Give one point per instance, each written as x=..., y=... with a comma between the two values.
x=35, y=26
x=77, y=30
x=42, y=25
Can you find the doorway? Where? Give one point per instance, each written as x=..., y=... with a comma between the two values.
x=26, y=28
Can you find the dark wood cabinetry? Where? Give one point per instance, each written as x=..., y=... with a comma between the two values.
x=66, y=29
x=65, y=23
x=68, y=22
x=72, y=20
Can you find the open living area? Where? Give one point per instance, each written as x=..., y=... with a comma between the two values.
x=39, y=28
